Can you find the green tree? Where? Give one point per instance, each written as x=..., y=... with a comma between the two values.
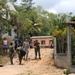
x=4, y=24
x=60, y=32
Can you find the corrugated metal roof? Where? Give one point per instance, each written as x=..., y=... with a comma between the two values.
x=41, y=36
x=70, y=22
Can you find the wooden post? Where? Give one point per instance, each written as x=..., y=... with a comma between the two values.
x=68, y=46
x=55, y=50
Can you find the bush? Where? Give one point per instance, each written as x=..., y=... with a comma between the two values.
x=67, y=71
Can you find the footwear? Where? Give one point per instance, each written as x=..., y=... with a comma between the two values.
x=40, y=58
x=35, y=58
x=19, y=63
x=26, y=59
x=12, y=64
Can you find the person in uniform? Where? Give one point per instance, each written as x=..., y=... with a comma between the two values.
x=21, y=54
x=11, y=53
x=37, y=49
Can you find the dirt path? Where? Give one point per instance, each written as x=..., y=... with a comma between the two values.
x=45, y=66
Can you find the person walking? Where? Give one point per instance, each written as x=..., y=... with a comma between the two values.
x=21, y=54
x=11, y=53
x=16, y=41
x=37, y=49
x=26, y=48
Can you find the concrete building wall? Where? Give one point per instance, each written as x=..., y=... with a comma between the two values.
x=61, y=60
x=13, y=34
x=46, y=39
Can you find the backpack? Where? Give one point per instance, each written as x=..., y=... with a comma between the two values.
x=22, y=52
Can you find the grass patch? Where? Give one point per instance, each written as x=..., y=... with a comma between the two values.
x=4, y=59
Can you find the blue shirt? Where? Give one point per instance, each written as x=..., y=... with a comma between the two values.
x=16, y=41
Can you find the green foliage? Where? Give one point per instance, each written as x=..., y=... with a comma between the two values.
x=4, y=23
x=60, y=33
x=61, y=40
x=67, y=71
x=34, y=21
x=73, y=45
x=13, y=0
x=26, y=5
x=73, y=18
x=2, y=6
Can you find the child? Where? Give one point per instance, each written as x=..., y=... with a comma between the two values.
x=11, y=53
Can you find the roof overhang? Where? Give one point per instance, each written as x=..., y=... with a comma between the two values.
x=70, y=22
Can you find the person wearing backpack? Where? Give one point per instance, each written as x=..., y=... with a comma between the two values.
x=21, y=54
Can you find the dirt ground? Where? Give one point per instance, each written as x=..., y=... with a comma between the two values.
x=45, y=66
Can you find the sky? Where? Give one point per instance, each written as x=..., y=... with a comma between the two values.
x=56, y=6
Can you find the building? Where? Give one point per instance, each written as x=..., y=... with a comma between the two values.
x=45, y=41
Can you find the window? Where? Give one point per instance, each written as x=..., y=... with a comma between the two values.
x=43, y=42
x=50, y=41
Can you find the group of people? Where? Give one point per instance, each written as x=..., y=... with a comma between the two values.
x=21, y=48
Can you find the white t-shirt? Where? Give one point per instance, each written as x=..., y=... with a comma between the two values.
x=25, y=45
x=5, y=42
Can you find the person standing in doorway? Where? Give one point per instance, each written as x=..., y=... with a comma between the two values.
x=37, y=49
x=26, y=48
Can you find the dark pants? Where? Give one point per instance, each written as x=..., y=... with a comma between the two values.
x=11, y=60
x=11, y=57
x=37, y=51
x=16, y=46
x=20, y=59
x=21, y=54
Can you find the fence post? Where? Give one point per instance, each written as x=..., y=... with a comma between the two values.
x=68, y=46
x=55, y=49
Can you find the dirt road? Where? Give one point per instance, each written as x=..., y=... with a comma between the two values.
x=45, y=66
